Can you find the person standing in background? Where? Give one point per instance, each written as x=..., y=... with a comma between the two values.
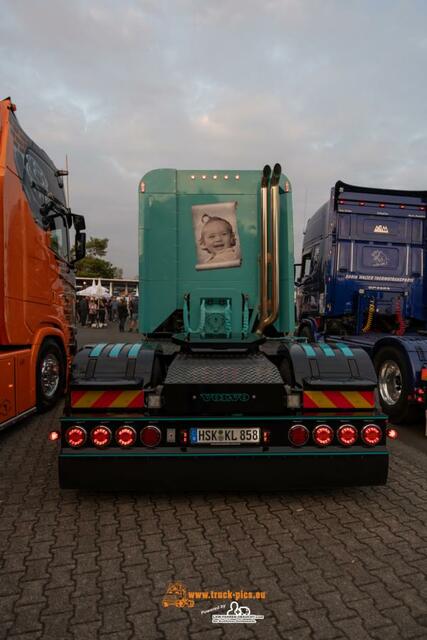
x=83, y=309
x=133, y=313
x=122, y=310
x=114, y=309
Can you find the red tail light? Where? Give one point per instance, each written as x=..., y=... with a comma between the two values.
x=151, y=436
x=266, y=436
x=347, y=435
x=298, y=435
x=371, y=435
x=323, y=435
x=183, y=437
x=126, y=436
x=75, y=436
x=101, y=436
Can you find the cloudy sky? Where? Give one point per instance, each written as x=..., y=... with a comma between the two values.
x=330, y=89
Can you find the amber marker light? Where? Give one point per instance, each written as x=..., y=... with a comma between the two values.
x=392, y=433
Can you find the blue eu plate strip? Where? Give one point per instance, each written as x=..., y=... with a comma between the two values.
x=116, y=350
x=96, y=351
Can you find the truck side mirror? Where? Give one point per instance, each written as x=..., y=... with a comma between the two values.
x=297, y=272
x=80, y=246
x=79, y=222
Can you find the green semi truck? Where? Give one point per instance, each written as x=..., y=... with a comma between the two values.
x=220, y=395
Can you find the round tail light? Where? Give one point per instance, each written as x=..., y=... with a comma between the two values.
x=151, y=436
x=101, y=436
x=298, y=435
x=347, y=435
x=126, y=436
x=75, y=436
x=371, y=435
x=323, y=435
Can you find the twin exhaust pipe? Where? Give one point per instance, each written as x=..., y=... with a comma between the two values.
x=269, y=264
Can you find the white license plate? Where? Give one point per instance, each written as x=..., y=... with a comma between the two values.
x=247, y=435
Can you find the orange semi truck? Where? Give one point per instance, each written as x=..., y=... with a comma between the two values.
x=37, y=294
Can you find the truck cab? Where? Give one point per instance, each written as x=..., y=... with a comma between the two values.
x=362, y=278
x=37, y=332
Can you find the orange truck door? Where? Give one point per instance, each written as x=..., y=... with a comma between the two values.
x=7, y=388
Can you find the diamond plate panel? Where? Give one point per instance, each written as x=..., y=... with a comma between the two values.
x=245, y=369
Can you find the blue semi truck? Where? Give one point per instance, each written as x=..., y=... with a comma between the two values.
x=233, y=400
x=362, y=282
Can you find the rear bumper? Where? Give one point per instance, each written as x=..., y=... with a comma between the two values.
x=277, y=470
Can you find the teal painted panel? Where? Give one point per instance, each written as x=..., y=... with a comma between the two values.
x=329, y=353
x=98, y=348
x=170, y=249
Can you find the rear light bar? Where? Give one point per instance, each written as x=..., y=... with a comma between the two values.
x=347, y=435
x=371, y=434
x=75, y=436
x=101, y=436
x=323, y=435
x=125, y=436
x=298, y=435
x=151, y=436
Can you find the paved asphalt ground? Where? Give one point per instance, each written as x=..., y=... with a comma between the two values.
x=344, y=563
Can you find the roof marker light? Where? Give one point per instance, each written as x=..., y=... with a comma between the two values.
x=225, y=177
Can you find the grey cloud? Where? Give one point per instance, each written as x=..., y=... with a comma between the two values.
x=330, y=89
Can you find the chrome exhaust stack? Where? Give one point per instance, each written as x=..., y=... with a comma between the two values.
x=270, y=226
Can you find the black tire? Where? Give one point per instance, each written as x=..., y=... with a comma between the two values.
x=393, y=387
x=305, y=331
x=50, y=375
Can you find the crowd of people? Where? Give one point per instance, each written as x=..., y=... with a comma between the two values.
x=98, y=312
